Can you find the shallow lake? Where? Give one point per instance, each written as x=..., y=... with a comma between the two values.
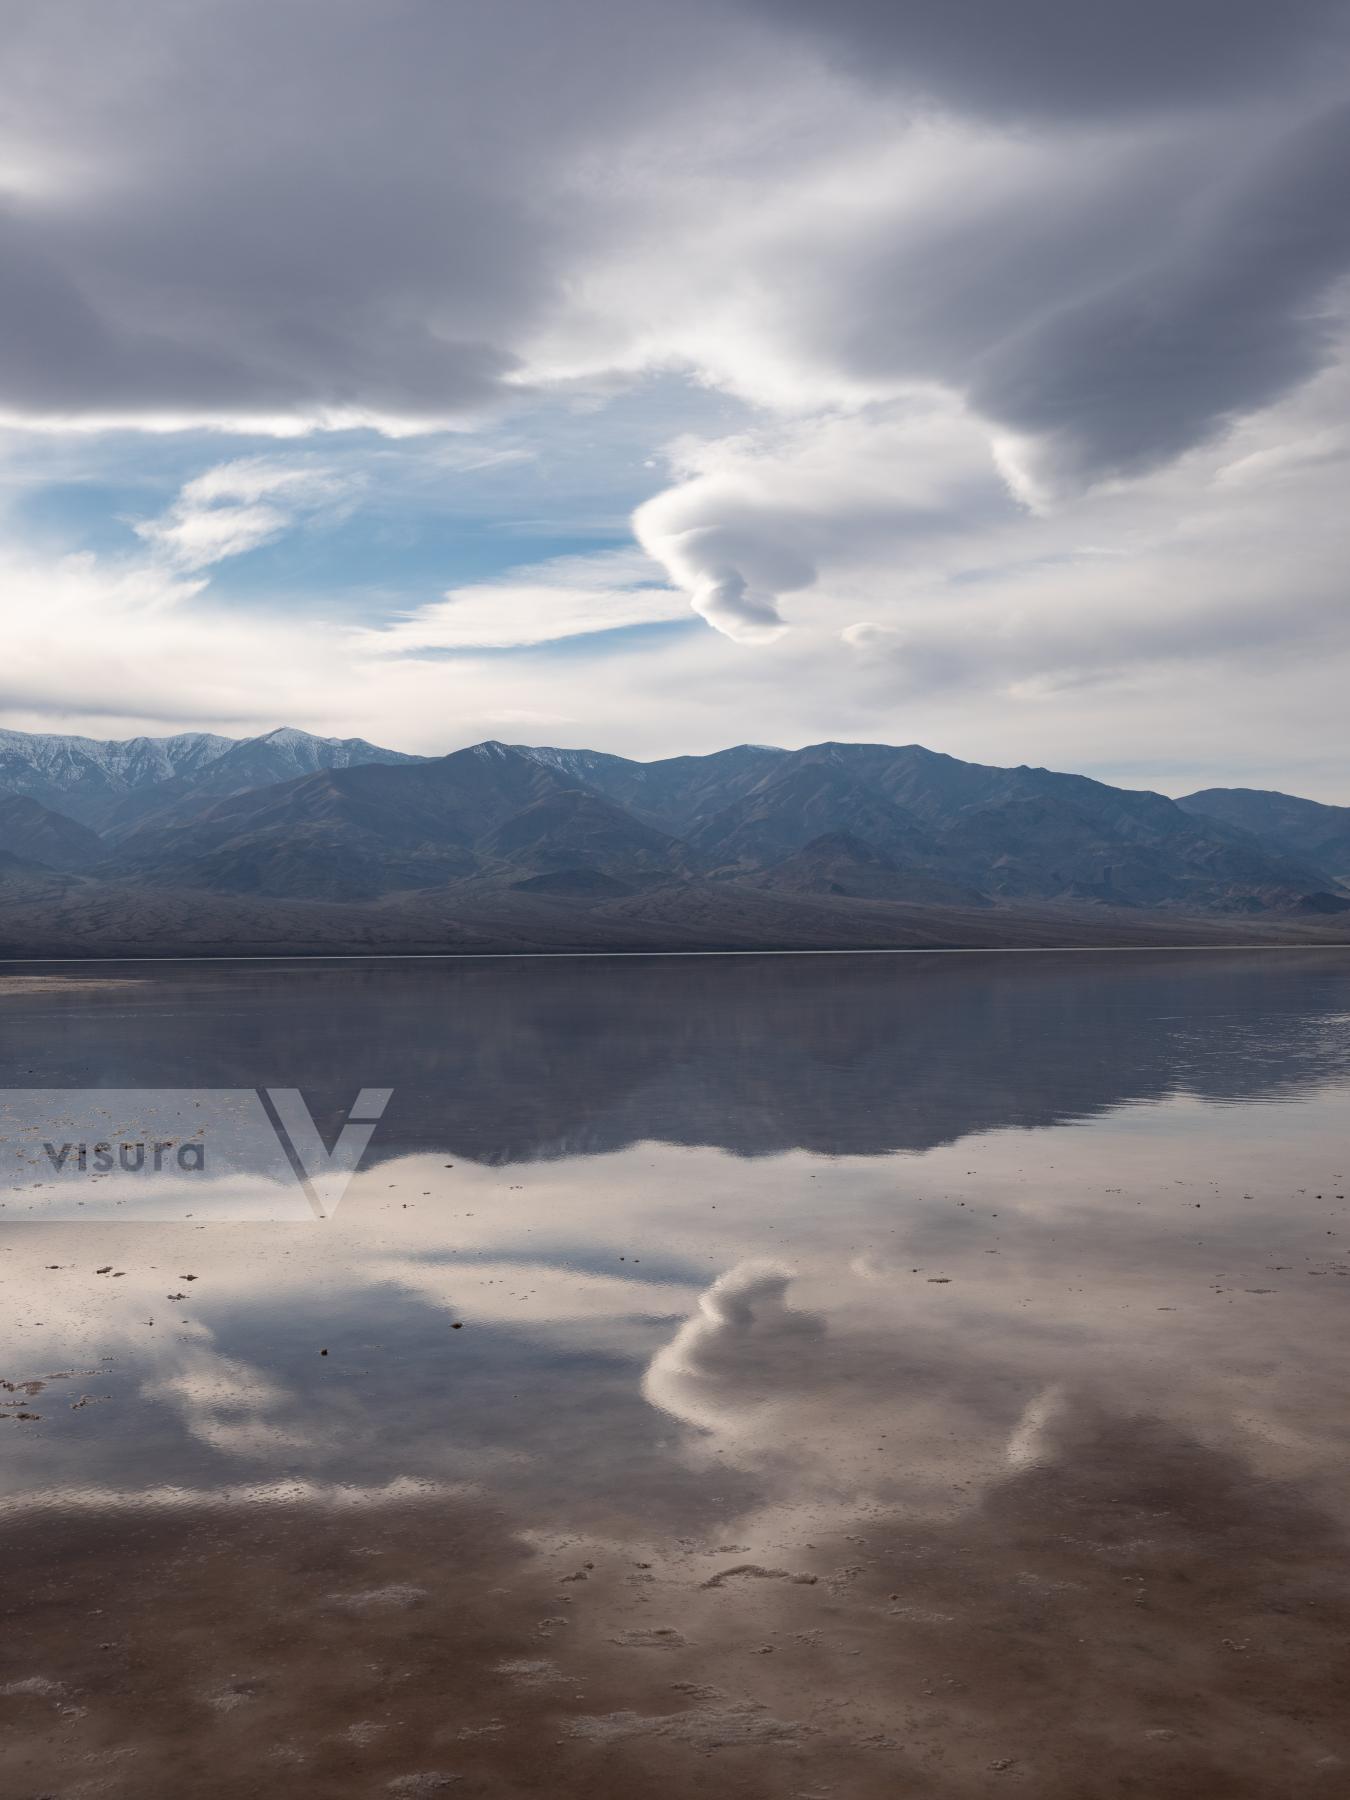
x=811, y=1377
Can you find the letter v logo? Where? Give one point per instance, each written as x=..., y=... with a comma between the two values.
x=327, y=1172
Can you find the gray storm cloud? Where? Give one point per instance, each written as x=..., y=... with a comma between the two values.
x=1070, y=58
x=1234, y=307
x=1103, y=232
x=339, y=210
x=228, y=211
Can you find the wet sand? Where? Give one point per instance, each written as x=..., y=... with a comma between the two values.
x=1139, y=1618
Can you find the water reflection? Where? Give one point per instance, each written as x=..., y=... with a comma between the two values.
x=748, y=1346
x=510, y=1061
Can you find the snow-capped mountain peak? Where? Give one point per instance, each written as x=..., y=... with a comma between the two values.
x=102, y=782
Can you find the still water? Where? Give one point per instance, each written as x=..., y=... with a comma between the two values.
x=789, y=1377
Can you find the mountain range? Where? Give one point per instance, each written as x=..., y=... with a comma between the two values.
x=542, y=846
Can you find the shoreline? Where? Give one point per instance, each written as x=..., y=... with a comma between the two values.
x=301, y=956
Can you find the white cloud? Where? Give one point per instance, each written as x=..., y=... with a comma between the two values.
x=756, y=516
x=571, y=596
x=236, y=507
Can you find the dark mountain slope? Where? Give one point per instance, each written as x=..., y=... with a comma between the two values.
x=34, y=833
x=1038, y=834
x=1284, y=824
x=574, y=829
x=839, y=863
x=939, y=789
x=797, y=801
x=372, y=829
x=284, y=755
x=673, y=794
x=1018, y=832
x=1048, y=846
x=578, y=884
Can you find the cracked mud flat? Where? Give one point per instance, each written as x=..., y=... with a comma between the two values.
x=717, y=1489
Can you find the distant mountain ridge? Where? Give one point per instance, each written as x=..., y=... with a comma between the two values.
x=1302, y=828
x=857, y=832
x=82, y=776
x=1019, y=833
x=111, y=784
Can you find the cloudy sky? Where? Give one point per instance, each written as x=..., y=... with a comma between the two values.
x=659, y=377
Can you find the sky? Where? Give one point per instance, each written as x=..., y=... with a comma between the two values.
x=656, y=378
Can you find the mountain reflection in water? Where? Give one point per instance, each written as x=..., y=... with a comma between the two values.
x=873, y=1373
